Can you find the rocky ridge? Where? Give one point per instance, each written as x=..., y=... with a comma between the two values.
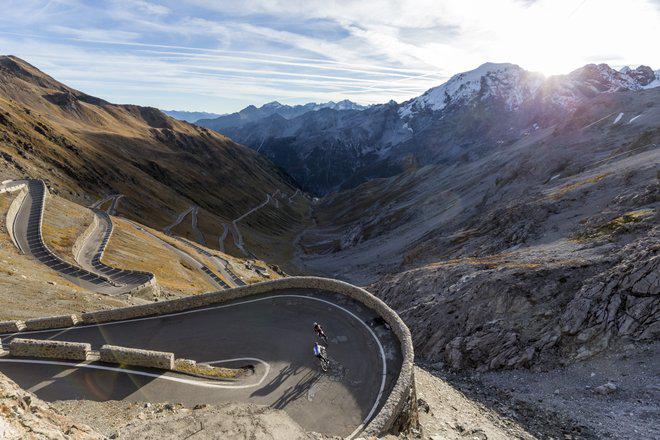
x=539, y=254
x=22, y=415
x=462, y=119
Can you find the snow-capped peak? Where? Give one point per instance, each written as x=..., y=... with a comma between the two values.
x=514, y=85
x=503, y=80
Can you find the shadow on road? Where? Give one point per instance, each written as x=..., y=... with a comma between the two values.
x=276, y=381
x=297, y=391
x=51, y=382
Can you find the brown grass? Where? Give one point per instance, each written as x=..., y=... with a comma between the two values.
x=208, y=371
x=561, y=192
x=496, y=261
x=63, y=223
x=613, y=226
x=131, y=249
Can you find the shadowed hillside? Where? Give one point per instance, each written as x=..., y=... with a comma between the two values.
x=86, y=148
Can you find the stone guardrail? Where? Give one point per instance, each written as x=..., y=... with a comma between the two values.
x=49, y=349
x=137, y=357
x=11, y=326
x=82, y=238
x=51, y=322
x=399, y=410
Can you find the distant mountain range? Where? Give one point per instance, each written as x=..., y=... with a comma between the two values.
x=189, y=116
x=253, y=114
x=342, y=145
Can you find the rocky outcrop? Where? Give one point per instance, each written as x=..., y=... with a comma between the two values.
x=621, y=302
x=23, y=416
x=524, y=314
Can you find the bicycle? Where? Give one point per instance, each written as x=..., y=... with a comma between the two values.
x=324, y=362
x=323, y=338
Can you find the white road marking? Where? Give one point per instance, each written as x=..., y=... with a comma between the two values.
x=193, y=382
x=380, y=346
x=59, y=333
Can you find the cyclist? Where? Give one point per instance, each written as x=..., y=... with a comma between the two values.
x=319, y=331
x=319, y=351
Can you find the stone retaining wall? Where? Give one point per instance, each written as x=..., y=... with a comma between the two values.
x=11, y=326
x=402, y=394
x=49, y=349
x=137, y=357
x=14, y=207
x=51, y=322
x=399, y=410
x=82, y=238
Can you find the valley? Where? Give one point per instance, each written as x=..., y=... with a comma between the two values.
x=505, y=222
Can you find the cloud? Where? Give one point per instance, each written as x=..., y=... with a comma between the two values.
x=197, y=52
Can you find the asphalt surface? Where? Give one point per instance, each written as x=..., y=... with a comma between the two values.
x=28, y=236
x=91, y=252
x=216, y=280
x=179, y=219
x=220, y=263
x=273, y=332
x=236, y=233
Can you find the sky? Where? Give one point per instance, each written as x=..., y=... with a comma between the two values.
x=220, y=56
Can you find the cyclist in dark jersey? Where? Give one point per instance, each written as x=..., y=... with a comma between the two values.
x=319, y=331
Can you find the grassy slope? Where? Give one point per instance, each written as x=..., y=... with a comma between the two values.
x=29, y=289
x=85, y=148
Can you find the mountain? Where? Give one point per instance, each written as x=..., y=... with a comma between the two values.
x=254, y=114
x=473, y=112
x=190, y=116
x=86, y=148
x=537, y=252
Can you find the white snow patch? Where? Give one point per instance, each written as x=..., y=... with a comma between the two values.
x=507, y=81
x=634, y=119
x=618, y=118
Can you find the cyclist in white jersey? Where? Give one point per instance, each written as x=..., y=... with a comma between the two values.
x=319, y=351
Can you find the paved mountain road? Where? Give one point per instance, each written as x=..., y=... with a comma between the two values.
x=220, y=263
x=273, y=330
x=90, y=254
x=28, y=237
x=213, y=278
